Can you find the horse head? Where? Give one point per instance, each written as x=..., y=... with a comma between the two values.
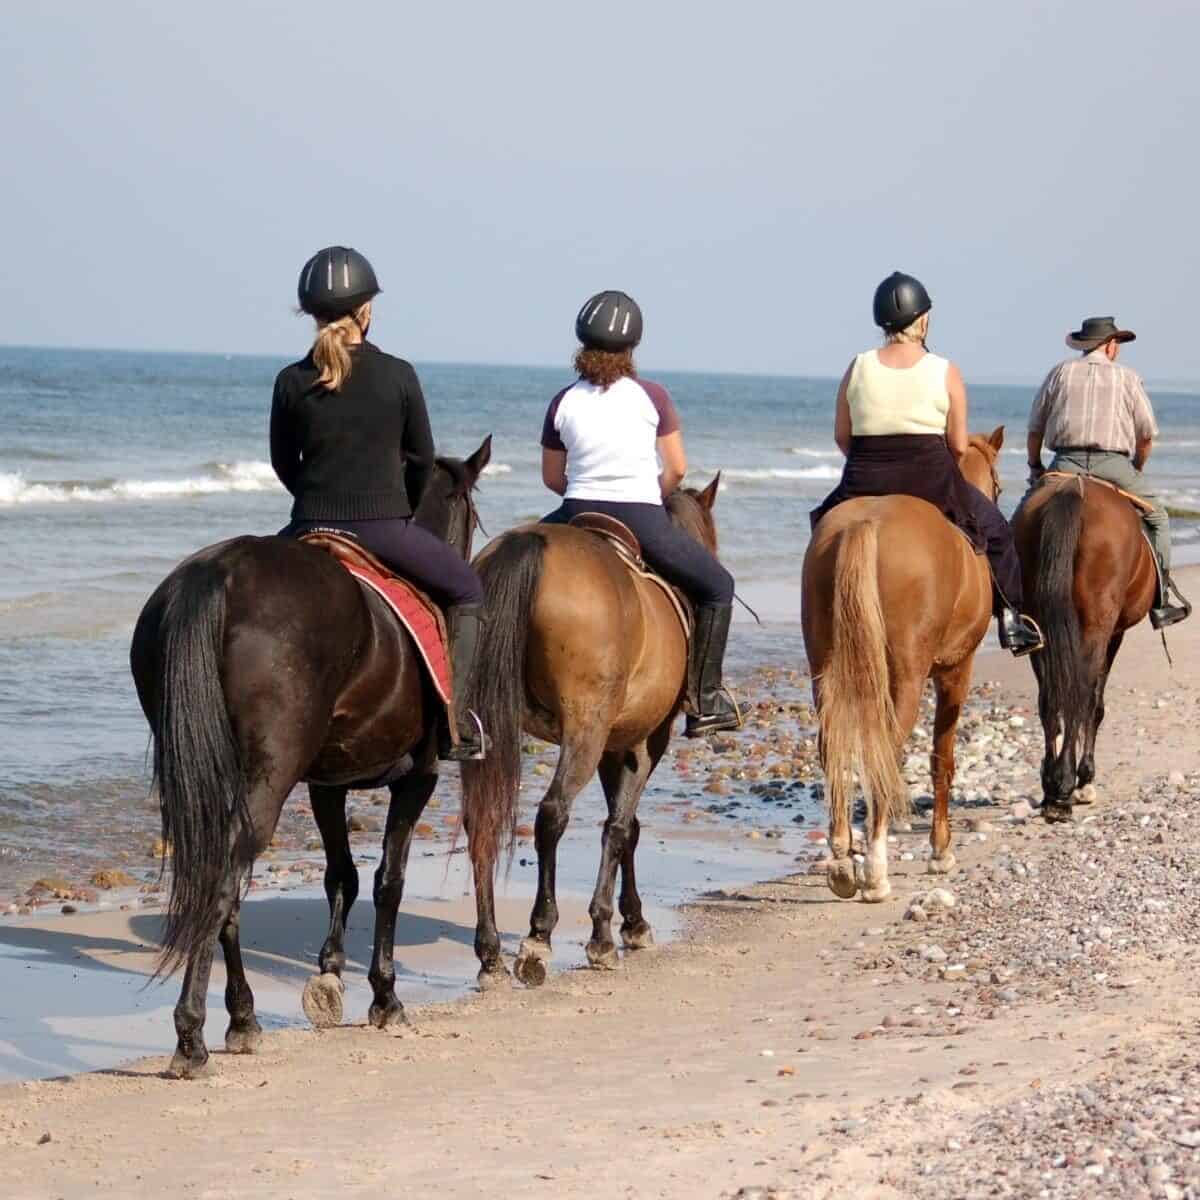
x=978, y=461
x=692, y=510
x=447, y=505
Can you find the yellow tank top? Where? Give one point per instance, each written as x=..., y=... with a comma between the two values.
x=885, y=400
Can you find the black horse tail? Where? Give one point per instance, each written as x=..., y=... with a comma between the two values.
x=197, y=763
x=1063, y=687
x=510, y=575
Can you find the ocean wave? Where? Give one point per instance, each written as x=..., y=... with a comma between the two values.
x=809, y=452
x=762, y=473
x=250, y=476
x=497, y=469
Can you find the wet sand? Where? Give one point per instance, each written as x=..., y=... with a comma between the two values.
x=786, y=1042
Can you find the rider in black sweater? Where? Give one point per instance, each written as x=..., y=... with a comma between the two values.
x=350, y=440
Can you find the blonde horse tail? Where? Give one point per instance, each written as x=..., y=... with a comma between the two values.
x=858, y=726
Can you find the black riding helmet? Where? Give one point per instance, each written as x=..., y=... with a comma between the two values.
x=899, y=301
x=336, y=281
x=609, y=321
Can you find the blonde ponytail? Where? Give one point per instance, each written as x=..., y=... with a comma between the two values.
x=331, y=349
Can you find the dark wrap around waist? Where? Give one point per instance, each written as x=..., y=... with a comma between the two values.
x=907, y=464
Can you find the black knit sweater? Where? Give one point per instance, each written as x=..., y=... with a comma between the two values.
x=360, y=453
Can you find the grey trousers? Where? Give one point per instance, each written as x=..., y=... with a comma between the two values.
x=1118, y=469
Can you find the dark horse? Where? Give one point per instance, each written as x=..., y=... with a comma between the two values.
x=1090, y=575
x=584, y=653
x=261, y=662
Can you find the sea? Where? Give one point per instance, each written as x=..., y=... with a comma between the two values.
x=116, y=465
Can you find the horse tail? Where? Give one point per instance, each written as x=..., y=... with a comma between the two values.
x=1063, y=689
x=858, y=726
x=197, y=762
x=510, y=575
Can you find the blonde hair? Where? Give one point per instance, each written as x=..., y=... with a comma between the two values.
x=916, y=331
x=331, y=349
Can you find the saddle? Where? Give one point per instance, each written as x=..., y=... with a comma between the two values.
x=1140, y=504
x=628, y=549
x=411, y=607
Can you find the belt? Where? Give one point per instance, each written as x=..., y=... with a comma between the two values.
x=1087, y=450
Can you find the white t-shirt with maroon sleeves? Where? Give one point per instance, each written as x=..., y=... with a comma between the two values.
x=610, y=436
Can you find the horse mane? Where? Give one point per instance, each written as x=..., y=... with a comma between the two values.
x=689, y=513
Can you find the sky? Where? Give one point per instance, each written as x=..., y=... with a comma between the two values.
x=749, y=172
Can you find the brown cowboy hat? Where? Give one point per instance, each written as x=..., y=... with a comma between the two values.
x=1095, y=331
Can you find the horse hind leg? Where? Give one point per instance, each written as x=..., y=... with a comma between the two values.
x=1085, y=775
x=581, y=747
x=875, y=885
x=951, y=688
x=636, y=933
x=244, y=1034
x=623, y=776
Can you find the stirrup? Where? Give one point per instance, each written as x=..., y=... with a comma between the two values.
x=695, y=725
x=462, y=752
x=1029, y=625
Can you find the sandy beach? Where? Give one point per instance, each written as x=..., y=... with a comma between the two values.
x=1037, y=1038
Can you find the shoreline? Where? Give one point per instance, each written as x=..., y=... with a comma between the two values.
x=787, y=1041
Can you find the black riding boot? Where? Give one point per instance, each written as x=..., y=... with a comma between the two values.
x=1165, y=613
x=462, y=622
x=1018, y=634
x=708, y=704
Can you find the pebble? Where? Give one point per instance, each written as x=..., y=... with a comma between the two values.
x=933, y=953
x=1021, y=811
x=938, y=898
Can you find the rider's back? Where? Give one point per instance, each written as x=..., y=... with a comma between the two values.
x=886, y=400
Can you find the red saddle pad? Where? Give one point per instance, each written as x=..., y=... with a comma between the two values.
x=416, y=613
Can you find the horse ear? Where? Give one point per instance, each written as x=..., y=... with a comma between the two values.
x=996, y=440
x=480, y=458
x=708, y=497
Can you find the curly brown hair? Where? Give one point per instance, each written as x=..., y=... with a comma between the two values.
x=604, y=367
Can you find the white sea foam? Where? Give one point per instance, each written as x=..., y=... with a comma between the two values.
x=809, y=452
x=824, y=471
x=249, y=476
x=497, y=469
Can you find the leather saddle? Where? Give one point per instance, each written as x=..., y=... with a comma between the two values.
x=347, y=551
x=628, y=549
x=1143, y=506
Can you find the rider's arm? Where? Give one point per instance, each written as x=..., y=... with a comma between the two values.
x=1033, y=449
x=1145, y=428
x=1142, y=452
x=417, y=447
x=554, y=470
x=841, y=421
x=285, y=452
x=956, y=418
x=674, y=462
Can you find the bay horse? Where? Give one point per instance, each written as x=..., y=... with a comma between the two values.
x=1090, y=575
x=260, y=662
x=584, y=653
x=893, y=594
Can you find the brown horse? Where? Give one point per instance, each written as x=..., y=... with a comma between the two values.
x=893, y=595
x=260, y=663
x=582, y=652
x=1090, y=576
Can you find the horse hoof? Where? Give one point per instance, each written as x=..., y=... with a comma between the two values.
x=244, y=1039
x=943, y=865
x=640, y=937
x=1085, y=794
x=494, y=978
x=383, y=1016
x=185, y=1066
x=322, y=1000
x=603, y=957
x=1055, y=814
x=841, y=880
x=876, y=893
x=530, y=970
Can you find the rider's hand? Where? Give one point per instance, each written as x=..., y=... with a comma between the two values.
x=1036, y=471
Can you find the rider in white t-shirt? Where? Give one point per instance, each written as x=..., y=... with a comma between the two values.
x=602, y=443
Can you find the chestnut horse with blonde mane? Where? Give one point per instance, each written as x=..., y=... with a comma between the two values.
x=1089, y=575
x=893, y=595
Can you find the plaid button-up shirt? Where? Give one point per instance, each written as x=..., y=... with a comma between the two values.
x=1094, y=403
